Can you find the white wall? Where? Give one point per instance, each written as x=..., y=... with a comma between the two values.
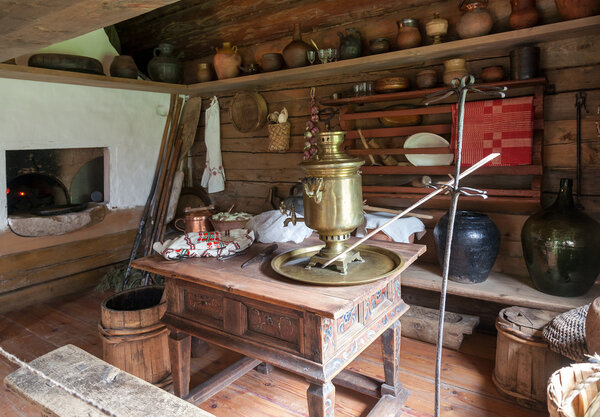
x=36, y=115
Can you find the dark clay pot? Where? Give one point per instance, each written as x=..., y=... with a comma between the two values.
x=123, y=66
x=475, y=245
x=165, y=67
x=524, y=14
x=576, y=9
x=294, y=53
x=351, y=44
x=560, y=247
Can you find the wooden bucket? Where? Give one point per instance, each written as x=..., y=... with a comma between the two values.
x=523, y=360
x=133, y=337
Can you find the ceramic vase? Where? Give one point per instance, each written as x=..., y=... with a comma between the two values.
x=523, y=15
x=165, y=67
x=560, y=247
x=475, y=246
x=227, y=61
x=476, y=21
x=294, y=54
x=409, y=35
x=351, y=44
x=454, y=68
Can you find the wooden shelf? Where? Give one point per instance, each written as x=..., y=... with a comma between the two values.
x=21, y=72
x=420, y=55
x=497, y=41
x=449, y=169
x=412, y=94
x=498, y=288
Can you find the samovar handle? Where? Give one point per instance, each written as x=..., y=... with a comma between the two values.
x=313, y=188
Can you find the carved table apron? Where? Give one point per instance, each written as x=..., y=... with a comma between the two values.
x=313, y=331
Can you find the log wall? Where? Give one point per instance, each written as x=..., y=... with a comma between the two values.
x=570, y=65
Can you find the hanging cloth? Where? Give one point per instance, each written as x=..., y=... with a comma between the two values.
x=213, y=178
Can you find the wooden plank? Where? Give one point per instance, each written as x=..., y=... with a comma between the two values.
x=27, y=26
x=388, y=132
x=110, y=388
x=444, y=170
x=422, y=190
x=389, y=406
x=221, y=380
x=38, y=293
x=359, y=383
x=388, y=60
x=402, y=112
x=499, y=288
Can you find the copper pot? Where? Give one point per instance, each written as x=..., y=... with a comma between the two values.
x=196, y=220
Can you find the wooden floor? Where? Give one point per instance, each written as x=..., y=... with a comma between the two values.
x=467, y=387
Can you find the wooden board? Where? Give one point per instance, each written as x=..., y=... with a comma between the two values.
x=26, y=26
x=499, y=288
x=112, y=389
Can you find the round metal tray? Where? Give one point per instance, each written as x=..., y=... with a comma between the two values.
x=378, y=263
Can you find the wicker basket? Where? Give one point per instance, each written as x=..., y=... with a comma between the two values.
x=279, y=137
x=572, y=389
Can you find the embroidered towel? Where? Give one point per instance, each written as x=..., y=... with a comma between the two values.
x=504, y=125
x=213, y=178
x=205, y=244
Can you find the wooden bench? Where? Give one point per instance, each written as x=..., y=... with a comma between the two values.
x=123, y=394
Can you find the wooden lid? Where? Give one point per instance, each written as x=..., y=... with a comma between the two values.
x=526, y=323
x=248, y=111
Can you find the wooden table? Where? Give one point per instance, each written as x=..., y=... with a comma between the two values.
x=313, y=331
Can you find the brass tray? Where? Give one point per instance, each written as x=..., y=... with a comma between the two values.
x=378, y=263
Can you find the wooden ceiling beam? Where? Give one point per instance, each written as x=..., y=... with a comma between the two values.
x=28, y=25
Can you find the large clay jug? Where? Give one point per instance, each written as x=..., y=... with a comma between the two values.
x=523, y=15
x=560, y=247
x=294, y=54
x=576, y=9
x=351, y=44
x=165, y=67
x=476, y=21
x=227, y=61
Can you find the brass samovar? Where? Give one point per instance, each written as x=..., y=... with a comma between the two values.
x=332, y=200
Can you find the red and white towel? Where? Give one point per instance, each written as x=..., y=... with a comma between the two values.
x=205, y=244
x=504, y=125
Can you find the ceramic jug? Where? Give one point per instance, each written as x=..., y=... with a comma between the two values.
x=409, y=35
x=476, y=21
x=165, y=67
x=294, y=54
x=523, y=15
x=351, y=44
x=227, y=61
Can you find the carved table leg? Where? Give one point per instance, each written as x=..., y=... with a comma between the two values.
x=264, y=368
x=390, y=339
x=321, y=399
x=179, y=352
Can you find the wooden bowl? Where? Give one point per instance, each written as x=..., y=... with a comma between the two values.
x=248, y=111
x=224, y=225
x=492, y=74
x=396, y=121
x=391, y=84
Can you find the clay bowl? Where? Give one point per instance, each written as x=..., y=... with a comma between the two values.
x=391, y=84
x=426, y=79
x=492, y=74
x=379, y=45
x=272, y=62
x=396, y=121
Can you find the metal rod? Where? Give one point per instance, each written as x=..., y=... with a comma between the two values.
x=412, y=207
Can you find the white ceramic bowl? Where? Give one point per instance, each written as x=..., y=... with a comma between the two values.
x=427, y=140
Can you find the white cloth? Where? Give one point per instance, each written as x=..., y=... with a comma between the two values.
x=399, y=231
x=269, y=228
x=213, y=178
x=205, y=244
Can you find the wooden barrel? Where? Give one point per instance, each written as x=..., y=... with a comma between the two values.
x=523, y=361
x=133, y=337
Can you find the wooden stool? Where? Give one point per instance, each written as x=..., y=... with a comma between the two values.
x=523, y=360
x=114, y=390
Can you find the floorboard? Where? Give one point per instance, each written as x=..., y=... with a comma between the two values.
x=467, y=390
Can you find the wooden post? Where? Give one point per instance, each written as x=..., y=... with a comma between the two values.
x=180, y=346
x=390, y=340
x=321, y=399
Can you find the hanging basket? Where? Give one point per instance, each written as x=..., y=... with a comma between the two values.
x=279, y=137
x=572, y=390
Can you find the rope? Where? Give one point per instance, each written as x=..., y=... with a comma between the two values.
x=31, y=369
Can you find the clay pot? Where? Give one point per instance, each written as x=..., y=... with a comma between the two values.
x=524, y=62
x=165, y=67
x=204, y=72
x=477, y=20
x=426, y=78
x=575, y=9
x=524, y=14
x=272, y=62
x=379, y=45
x=294, y=53
x=227, y=61
x=123, y=66
x=409, y=35
x=351, y=44
x=454, y=68
x=492, y=74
